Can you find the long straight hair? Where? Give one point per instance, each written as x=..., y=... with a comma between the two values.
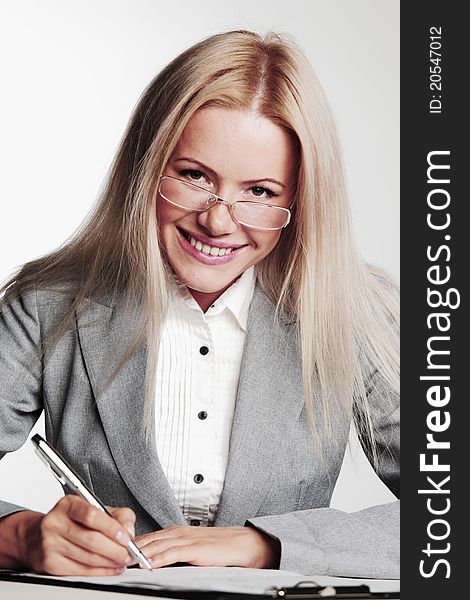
x=346, y=312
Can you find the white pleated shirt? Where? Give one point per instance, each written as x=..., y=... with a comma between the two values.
x=196, y=386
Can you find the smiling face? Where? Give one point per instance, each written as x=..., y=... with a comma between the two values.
x=237, y=155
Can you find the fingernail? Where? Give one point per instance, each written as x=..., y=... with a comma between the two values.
x=129, y=560
x=122, y=538
x=131, y=529
x=120, y=571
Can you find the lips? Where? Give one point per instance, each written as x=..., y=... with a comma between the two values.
x=206, y=251
x=210, y=241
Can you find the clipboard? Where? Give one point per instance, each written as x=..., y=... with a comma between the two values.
x=304, y=590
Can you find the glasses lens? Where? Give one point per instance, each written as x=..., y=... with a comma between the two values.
x=185, y=195
x=253, y=214
x=259, y=215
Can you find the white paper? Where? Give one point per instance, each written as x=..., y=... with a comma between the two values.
x=227, y=579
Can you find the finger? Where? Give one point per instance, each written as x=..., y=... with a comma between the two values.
x=58, y=531
x=184, y=553
x=57, y=554
x=158, y=546
x=95, y=542
x=175, y=531
x=93, y=518
x=95, y=571
x=89, y=528
x=125, y=516
x=92, y=559
x=66, y=566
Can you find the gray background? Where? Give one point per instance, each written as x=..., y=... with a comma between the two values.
x=71, y=74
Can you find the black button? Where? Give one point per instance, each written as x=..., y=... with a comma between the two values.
x=195, y=522
x=198, y=478
x=202, y=415
x=203, y=350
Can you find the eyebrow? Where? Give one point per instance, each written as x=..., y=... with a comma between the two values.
x=198, y=162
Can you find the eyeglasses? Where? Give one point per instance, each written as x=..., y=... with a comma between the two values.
x=190, y=196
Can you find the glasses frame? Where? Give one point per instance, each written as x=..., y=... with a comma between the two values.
x=228, y=203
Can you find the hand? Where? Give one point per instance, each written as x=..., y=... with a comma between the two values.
x=211, y=546
x=76, y=538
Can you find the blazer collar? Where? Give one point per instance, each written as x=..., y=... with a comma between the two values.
x=105, y=333
x=269, y=403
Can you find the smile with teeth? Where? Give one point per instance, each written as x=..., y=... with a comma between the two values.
x=205, y=248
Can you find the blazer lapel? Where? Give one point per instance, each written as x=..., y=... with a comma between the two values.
x=104, y=334
x=270, y=399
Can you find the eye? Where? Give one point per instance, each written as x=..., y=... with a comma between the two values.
x=193, y=175
x=262, y=192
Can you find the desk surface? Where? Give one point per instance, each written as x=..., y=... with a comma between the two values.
x=12, y=590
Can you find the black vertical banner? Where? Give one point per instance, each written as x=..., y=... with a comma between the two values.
x=435, y=230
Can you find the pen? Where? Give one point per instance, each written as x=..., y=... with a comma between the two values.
x=66, y=476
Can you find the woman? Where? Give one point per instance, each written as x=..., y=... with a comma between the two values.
x=202, y=344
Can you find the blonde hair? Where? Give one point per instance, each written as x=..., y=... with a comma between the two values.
x=345, y=312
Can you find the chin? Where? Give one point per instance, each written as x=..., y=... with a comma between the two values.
x=206, y=285
x=207, y=288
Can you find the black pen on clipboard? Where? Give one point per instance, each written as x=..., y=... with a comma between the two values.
x=66, y=476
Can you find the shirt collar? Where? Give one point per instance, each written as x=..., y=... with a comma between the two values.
x=236, y=299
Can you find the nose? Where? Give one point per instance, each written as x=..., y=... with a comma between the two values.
x=217, y=220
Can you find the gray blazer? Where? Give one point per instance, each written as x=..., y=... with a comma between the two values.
x=275, y=479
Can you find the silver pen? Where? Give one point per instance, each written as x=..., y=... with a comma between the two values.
x=66, y=476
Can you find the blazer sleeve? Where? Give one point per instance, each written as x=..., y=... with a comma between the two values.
x=326, y=541
x=20, y=376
